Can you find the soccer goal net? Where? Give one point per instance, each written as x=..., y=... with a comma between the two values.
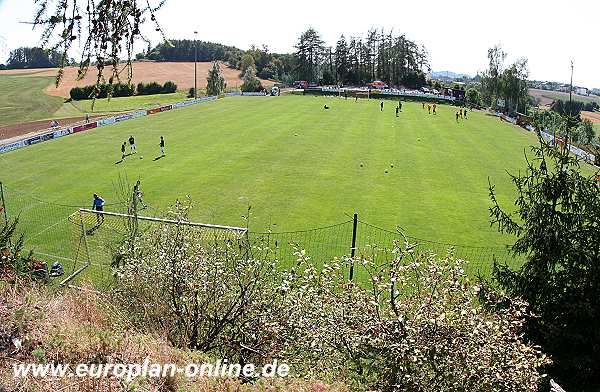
x=100, y=237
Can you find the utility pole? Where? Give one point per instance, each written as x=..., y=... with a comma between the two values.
x=195, y=67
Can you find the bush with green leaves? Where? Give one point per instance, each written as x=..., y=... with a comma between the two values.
x=122, y=90
x=14, y=264
x=473, y=97
x=250, y=82
x=201, y=296
x=149, y=88
x=102, y=91
x=169, y=87
x=416, y=324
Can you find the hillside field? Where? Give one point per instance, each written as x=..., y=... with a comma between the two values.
x=23, y=99
x=546, y=97
x=30, y=95
x=182, y=73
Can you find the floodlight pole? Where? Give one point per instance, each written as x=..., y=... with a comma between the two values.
x=570, y=115
x=195, y=67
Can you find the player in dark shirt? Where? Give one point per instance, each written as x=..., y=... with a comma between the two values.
x=132, y=144
x=162, y=146
x=98, y=205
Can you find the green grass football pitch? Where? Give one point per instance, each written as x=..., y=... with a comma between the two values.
x=297, y=165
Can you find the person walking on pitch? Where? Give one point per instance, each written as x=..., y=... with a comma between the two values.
x=382, y=106
x=123, y=151
x=162, y=146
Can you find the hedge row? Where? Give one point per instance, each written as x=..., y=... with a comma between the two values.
x=121, y=90
x=156, y=88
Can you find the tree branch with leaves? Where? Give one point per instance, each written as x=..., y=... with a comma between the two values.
x=105, y=29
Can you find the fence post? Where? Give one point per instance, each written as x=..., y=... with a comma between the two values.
x=3, y=203
x=353, y=249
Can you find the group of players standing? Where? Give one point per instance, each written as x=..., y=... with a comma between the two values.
x=462, y=113
x=133, y=147
x=398, y=108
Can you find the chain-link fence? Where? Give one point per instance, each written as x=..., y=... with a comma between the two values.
x=84, y=240
x=44, y=225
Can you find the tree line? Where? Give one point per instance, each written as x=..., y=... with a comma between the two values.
x=185, y=50
x=121, y=90
x=391, y=58
x=26, y=57
x=394, y=59
x=574, y=108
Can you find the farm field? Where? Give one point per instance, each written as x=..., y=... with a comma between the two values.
x=30, y=95
x=297, y=165
x=182, y=73
x=546, y=97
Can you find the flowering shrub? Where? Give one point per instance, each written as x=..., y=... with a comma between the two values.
x=415, y=324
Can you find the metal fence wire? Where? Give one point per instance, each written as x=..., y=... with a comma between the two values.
x=70, y=234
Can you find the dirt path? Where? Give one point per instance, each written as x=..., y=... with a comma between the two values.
x=9, y=133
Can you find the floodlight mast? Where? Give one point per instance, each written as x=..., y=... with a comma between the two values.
x=195, y=66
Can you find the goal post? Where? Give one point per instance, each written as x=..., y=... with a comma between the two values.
x=100, y=235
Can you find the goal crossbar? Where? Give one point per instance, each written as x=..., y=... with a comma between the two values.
x=85, y=247
x=170, y=221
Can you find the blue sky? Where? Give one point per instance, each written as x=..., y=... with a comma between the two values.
x=457, y=33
